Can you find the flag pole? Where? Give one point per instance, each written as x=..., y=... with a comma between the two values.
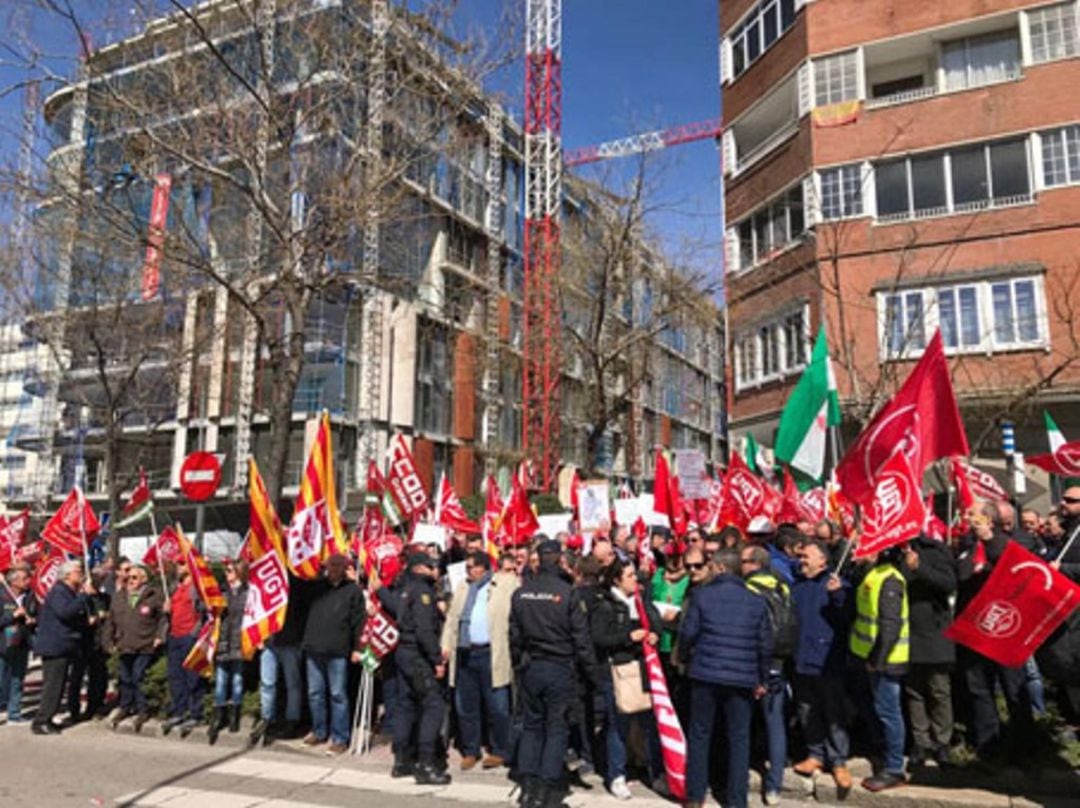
x=1069, y=543
x=82, y=533
x=160, y=561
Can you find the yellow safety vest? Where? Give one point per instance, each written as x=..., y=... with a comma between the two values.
x=865, y=631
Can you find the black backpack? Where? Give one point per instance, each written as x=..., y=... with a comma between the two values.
x=785, y=625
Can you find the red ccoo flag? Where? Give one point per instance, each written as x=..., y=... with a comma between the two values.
x=897, y=512
x=1018, y=607
x=922, y=419
x=74, y=526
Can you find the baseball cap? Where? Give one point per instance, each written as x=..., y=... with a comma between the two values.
x=421, y=560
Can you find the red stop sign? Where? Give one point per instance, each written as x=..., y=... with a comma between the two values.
x=200, y=476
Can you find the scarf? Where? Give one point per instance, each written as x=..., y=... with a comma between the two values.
x=466, y=613
x=629, y=601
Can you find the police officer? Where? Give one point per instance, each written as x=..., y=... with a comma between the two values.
x=549, y=633
x=421, y=671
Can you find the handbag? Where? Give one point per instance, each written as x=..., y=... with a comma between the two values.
x=630, y=693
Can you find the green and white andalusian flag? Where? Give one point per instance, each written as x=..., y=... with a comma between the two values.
x=811, y=409
x=1053, y=434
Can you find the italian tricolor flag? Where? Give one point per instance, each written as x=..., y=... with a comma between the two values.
x=812, y=408
x=1053, y=434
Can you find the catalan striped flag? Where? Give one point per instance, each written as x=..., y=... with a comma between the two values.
x=200, y=658
x=491, y=523
x=268, y=581
x=316, y=530
x=201, y=575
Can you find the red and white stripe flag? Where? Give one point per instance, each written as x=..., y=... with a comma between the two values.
x=672, y=738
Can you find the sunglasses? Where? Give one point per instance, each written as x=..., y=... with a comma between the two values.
x=698, y=566
x=1071, y=500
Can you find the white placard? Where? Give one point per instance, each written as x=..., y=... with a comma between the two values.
x=430, y=534
x=455, y=575
x=650, y=516
x=552, y=524
x=690, y=466
x=627, y=511
x=593, y=504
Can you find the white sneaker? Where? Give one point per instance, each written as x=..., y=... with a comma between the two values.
x=619, y=789
x=772, y=797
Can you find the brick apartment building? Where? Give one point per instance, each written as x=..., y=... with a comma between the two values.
x=896, y=166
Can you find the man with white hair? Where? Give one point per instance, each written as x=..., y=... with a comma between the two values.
x=64, y=616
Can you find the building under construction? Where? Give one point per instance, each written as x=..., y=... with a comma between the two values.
x=409, y=282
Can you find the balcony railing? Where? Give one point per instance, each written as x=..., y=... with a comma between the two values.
x=744, y=161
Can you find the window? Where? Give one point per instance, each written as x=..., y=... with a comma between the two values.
x=1016, y=319
x=1061, y=156
x=770, y=229
x=433, y=375
x=841, y=192
x=836, y=79
x=771, y=350
x=987, y=175
x=1054, y=33
x=974, y=317
x=975, y=61
x=958, y=316
x=905, y=328
x=765, y=24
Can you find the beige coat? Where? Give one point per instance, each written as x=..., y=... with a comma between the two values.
x=503, y=585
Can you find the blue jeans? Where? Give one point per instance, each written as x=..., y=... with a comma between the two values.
x=618, y=729
x=229, y=683
x=737, y=705
x=886, y=691
x=1035, y=687
x=287, y=657
x=132, y=670
x=186, y=687
x=772, y=705
x=328, y=674
x=12, y=672
x=473, y=696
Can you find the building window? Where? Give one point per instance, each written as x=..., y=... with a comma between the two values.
x=433, y=375
x=836, y=78
x=765, y=24
x=905, y=329
x=976, y=61
x=772, y=228
x=1061, y=156
x=1054, y=33
x=1016, y=320
x=983, y=176
x=772, y=350
x=841, y=192
x=980, y=317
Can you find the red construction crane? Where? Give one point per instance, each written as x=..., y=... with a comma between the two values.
x=542, y=316
x=646, y=142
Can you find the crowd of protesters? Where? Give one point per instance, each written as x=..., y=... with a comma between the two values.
x=778, y=648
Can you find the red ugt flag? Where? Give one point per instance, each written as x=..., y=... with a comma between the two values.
x=1019, y=606
x=922, y=419
x=897, y=512
x=165, y=549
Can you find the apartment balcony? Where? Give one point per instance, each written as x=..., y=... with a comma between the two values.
x=764, y=127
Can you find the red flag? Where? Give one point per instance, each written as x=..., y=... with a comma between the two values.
x=404, y=481
x=791, y=507
x=13, y=532
x=200, y=658
x=519, y=522
x=749, y=492
x=166, y=548
x=922, y=419
x=934, y=527
x=575, y=502
x=46, y=574
x=205, y=582
x=667, y=499
x=491, y=523
x=267, y=600
x=1065, y=462
x=672, y=739
x=451, y=514
x=373, y=523
x=983, y=485
x=960, y=480
x=815, y=503
x=74, y=522
x=29, y=553
x=1018, y=607
x=896, y=512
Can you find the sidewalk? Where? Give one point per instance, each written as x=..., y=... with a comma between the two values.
x=932, y=788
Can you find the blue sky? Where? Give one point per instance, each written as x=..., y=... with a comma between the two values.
x=628, y=66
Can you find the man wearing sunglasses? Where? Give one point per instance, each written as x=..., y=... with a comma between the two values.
x=1068, y=563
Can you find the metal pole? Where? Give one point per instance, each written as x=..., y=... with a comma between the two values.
x=200, y=525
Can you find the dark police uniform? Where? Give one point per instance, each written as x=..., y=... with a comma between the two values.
x=549, y=633
x=421, y=698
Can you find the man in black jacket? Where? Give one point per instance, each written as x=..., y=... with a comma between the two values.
x=930, y=572
x=421, y=670
x=549, y=634
x=63, y=617
x=979, y=551
x=331, y=634
x=18, y=618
